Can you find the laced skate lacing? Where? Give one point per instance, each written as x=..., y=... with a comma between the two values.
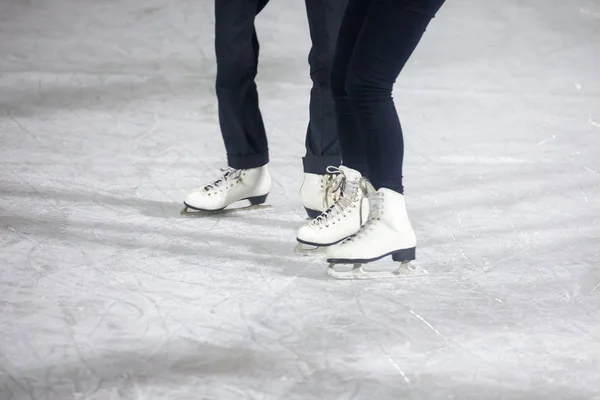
x=376, y=203
x=349, y=198
x=229, y=175
x=332, y=183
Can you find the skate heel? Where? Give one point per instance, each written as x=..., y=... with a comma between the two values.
x=404, y=255
x=258, y=199
x=312, y=213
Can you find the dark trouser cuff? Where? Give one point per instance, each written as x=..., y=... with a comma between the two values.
x=247, y=162
x=318, y=164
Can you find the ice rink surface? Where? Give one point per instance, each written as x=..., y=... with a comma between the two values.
x=107, y=120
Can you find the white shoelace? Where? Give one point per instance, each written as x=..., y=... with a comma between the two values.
x=350, y=192
x=229, y=174
x=375, y=214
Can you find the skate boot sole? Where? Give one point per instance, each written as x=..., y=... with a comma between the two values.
x=317, y=249
x=404, y=270
x=403, y=255
x=256, y=202
x=318, y=244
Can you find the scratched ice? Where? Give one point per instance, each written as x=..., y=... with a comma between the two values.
x=107, y=119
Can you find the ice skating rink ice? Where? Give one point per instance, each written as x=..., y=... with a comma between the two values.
x=108, y=118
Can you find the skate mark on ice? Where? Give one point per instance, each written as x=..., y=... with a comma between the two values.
x=593, y=14
x=584, y=331
x=541, y=142
x=592, y=171
x=384, y=351
x=514, y=228
x=566, y=291
x=26, y=389
x=395, y=365
x=20, y=236
x=69, y=331
x=102, y=318
x=276, y=295
x=583, y=194
x=462, y=253
x=28, y=183
x=152, y=129
x=433, y=328
x=23, y=128
x=459, y=245
x=593, y=289
x=450, y=343
x=486, y=296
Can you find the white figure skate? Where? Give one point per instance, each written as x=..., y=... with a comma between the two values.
x=318, y=192
x=234, y=185
x=387, y=232
x=343, y=218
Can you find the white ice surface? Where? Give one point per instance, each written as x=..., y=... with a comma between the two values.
x=108, y=118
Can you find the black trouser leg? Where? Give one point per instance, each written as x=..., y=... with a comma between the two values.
x=350, y=137
x=322, y=146
x=236, y=47
x=390, y=32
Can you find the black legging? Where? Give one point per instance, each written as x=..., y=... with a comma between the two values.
x=376, y=39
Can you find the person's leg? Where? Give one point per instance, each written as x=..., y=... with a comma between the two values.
x=350, y=137
x=322, y=145
x=346, y=212
x=391, y=31
x=389, y=35
x=236, y=47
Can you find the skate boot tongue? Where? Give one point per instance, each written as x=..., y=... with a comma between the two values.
x=349, y=173
x=351, y=186
x=353, y=182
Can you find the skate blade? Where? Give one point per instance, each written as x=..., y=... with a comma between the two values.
x=405, y=270
x=190, y=212
x=305, y=250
